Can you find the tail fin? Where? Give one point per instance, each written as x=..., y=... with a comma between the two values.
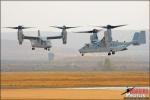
x=39, y=33
x=139, y=38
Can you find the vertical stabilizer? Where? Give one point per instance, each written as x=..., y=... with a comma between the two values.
x=139, y=38
x=38, y=33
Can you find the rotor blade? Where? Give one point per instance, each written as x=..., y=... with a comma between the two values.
x=99, y=30
x=27, y=27
x=11, y=27
x=111, y=27
x=19, y=27
x=101, y=26
x=57, y=27
x=71, y=27
x=91, y=31
x=118, y=26
x=63, y=27
x=84, y=32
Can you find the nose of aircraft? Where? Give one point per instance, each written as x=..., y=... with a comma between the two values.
x=81, y=50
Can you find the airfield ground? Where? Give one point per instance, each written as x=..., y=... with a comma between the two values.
x=73, y=79
x=61, y=94
x=46, y=85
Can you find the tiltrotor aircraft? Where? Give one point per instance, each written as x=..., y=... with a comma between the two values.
x=39, y=41
x=106, y=44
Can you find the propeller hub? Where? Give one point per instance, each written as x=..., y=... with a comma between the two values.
x=109, y=26
x=64, y=27
x=20, y=27
x=95, y=31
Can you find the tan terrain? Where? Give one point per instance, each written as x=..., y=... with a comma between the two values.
x=42, y=85
x=61, y=94
x=73, y=79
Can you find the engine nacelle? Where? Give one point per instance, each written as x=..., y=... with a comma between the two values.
x=64, y=36
x=20, y=32
x=20, y=36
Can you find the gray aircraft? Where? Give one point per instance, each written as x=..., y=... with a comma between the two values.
x=106, y=44
x=39, y=41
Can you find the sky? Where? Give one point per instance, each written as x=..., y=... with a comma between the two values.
x=42, y=14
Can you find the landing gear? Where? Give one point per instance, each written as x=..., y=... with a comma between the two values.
x=82, y=54
x=33, y=48
x=47, y=49
x=109, y=53
x=113, y=52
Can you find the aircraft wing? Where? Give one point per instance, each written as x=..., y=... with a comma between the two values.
x=54, y=37
x=30, y=37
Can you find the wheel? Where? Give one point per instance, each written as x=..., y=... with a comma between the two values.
x=109, y=54
x=48, y=49
x=82, y=54
x=113, y=52
x=33, y=48
x=45, y=48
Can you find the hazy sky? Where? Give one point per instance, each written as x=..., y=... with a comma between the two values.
x=75, y=13
x=46, y=13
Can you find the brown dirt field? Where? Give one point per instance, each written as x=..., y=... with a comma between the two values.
x=73, y=79
x=60, y=94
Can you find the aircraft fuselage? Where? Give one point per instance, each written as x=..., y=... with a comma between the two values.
x=100, y=47
x=46, y=44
